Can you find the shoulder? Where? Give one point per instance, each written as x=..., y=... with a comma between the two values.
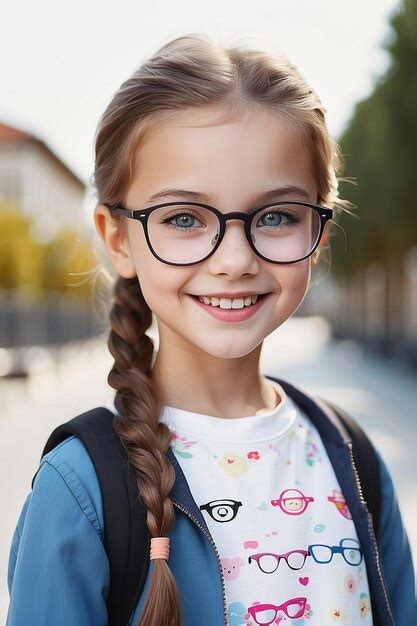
x=57, y=548
x=71, y=461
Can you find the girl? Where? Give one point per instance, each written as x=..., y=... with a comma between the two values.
x=215, y=176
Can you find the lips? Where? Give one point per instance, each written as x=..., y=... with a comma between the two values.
x=232, y=315
x=260, y=297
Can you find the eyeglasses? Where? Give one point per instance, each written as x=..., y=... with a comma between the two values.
x=292, y=502
x=187, y=233
x=351, y=552
x=268, y=562
x=267, y=613
x=222, y=510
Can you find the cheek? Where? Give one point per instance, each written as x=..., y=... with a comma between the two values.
x=293, y=282
x=159, y=290
x=162, y=285
x=294, y=278
x=158, y=280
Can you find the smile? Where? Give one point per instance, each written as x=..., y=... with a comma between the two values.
x=222, y=307
x=228, y=303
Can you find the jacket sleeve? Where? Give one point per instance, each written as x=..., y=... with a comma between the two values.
x=58, y=570
x=395, y=554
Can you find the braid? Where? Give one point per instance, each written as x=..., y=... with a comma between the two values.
x=145, y=441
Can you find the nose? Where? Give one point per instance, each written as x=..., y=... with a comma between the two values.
x=234, y=252
x=235, y=233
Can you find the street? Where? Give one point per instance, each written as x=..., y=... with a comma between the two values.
x=382, y=396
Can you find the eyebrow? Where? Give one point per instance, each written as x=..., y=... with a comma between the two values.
x=286, y=191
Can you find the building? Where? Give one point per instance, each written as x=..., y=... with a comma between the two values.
x=36, y=181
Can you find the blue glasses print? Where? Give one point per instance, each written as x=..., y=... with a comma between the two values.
x=348, y=548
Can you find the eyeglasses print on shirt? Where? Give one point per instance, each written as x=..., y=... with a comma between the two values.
x=268, y=561
x=340, y=503
x=224, y=510
x=264, y=614
x=350, y=551
x=348, y=547
x=290, y=501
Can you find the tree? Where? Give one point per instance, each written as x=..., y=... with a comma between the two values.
x=20, y=255
x=35, y=268
x=379, y=145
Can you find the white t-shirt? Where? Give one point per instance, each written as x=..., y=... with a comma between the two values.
x=266, y=488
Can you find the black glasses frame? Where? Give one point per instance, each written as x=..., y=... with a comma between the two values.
x=325, y=214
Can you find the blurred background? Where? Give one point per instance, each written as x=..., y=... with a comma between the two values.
x=353, y=339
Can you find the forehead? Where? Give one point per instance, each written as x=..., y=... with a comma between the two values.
x=228, y=156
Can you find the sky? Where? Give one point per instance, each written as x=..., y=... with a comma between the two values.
x=61, y=62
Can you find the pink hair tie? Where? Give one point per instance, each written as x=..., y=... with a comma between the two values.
x=159, y=548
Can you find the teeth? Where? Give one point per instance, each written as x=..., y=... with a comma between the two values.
x=227, y=303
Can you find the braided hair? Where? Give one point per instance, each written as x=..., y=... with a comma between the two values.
x=144, y=439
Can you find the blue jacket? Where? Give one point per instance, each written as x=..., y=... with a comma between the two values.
x=58, y=572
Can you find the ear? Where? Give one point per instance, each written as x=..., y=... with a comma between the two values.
x=112, y=232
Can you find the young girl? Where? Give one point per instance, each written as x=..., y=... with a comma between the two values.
x=216, y=177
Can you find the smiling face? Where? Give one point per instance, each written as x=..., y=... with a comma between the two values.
x=232, y=162
x=293, y=505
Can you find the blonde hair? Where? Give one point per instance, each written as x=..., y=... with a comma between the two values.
x=189, y=71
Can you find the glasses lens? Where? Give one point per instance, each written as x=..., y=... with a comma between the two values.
x=182, y=233
x=322, y=554
x=285, y=232
x=296, y=560
x=295, y=608
x=265, y=616
x=353, y=556
x=351, y=551
x=268, y=563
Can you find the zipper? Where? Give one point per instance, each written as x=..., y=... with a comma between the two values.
x=371, y=531
x=191, y=516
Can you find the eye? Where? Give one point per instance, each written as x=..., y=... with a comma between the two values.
x=271, y=216
x=222, y=510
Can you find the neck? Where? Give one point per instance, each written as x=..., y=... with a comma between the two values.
x=214, y=386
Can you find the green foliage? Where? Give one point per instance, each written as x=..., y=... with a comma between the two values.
x=65, y=258
x=20, y=256
x=379, y=145
x=34, y=267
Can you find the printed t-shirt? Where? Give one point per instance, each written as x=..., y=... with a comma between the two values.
x=288, y=547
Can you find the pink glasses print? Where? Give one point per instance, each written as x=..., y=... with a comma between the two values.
x=266, y=613
x=340, y=503
x=268, y=562
x=292, y=502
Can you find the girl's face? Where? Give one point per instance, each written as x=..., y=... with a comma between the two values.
x=231, y=162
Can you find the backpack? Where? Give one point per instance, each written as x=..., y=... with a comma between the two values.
x=126, y=534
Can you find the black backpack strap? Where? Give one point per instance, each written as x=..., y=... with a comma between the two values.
x=366, y=462
x=126, y=534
